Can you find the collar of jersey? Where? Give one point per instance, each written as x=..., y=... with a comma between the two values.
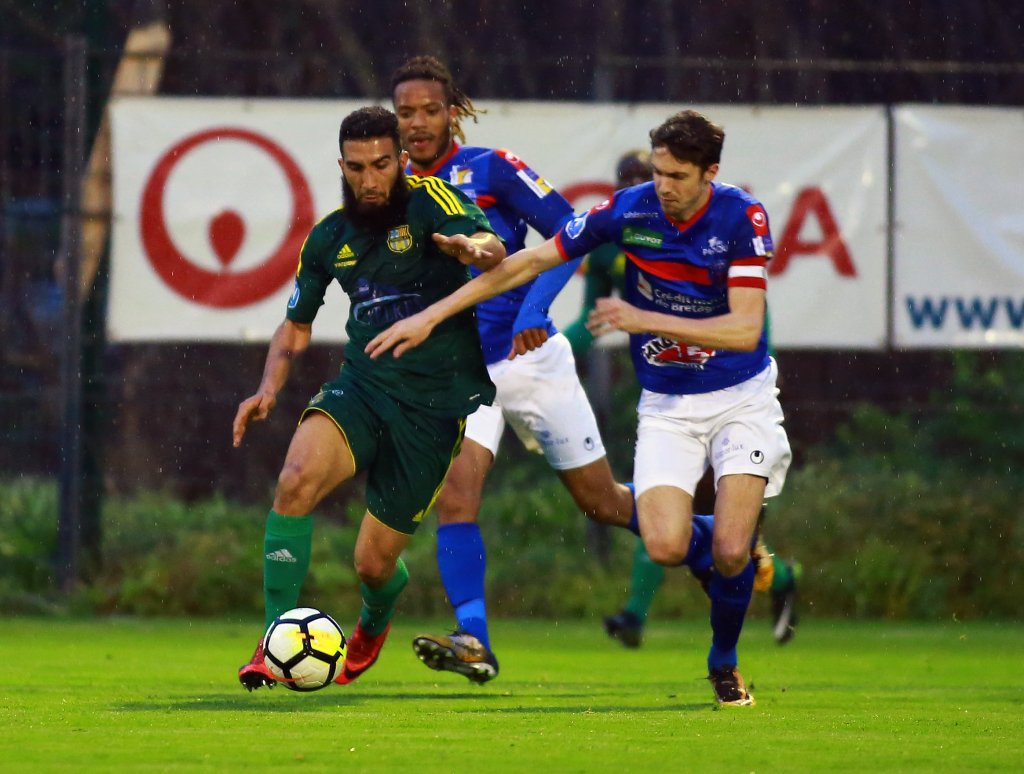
x=440, y=162
x=682, y=225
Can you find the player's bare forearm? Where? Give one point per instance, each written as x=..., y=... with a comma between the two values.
x=288, y=342
x=738, y=330
x=510, y=273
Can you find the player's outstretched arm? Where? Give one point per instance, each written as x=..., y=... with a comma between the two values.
x=512, y=272
x=739, y=329
x=289, y=341
x=483, y=250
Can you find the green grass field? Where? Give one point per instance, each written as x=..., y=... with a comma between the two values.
x=144, y=695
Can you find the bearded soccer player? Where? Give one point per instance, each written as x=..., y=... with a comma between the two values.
x=398, y=244
x=538, y=393
x=695, y=309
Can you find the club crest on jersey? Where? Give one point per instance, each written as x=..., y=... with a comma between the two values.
x=660, y=351
x=399, y=239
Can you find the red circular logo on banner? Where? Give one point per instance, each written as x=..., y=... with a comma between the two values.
x=226, y=231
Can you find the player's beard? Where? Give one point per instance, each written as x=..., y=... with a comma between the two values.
x=377, y=217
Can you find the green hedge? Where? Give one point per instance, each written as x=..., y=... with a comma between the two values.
x=917, y=516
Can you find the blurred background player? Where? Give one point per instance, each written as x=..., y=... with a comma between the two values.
x=695, y=306
x=401, y=421
x=538, y=392
x=605, y=271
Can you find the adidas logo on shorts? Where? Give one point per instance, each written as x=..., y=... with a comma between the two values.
x=282, y=555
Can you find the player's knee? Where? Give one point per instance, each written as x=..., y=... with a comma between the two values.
x=372, y=569
x=732, y=557
x=296, y=491
x=455, y=506
x=664, y=551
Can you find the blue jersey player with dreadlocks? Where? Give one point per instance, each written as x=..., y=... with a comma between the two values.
x=530, y=363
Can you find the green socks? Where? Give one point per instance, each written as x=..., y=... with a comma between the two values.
x=783, y=579
x=644, y=582
x=379, y=604
x=287, y=544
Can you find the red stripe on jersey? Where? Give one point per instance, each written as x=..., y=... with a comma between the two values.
x=748, y=282
x=671, y=270
x=561, y=247
x=485, y=201
x=756, y=261
x=511, y=158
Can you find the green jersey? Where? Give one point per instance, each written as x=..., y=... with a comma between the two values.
x=390, y=275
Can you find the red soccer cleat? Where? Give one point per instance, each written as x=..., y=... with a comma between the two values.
x=255, y=674
x=361, y=654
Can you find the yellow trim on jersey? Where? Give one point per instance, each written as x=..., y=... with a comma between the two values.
x=325, y=217
x=439, y=192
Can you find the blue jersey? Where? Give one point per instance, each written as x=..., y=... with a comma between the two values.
x=512, y=197
x=682, y=269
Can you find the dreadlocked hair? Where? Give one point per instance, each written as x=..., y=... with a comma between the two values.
x=428, y=68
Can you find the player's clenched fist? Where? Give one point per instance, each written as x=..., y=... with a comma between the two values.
x=252, y=409
x=613, y=314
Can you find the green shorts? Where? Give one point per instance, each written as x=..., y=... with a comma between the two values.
x=406, y=453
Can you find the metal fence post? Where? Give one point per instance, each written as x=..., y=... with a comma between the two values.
x=69, y=524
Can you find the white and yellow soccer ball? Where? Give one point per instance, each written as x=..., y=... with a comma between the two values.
x=304, y=648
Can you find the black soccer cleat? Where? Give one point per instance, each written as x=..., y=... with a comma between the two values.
x=626, y=627
x=457, y=652
x=729, y=688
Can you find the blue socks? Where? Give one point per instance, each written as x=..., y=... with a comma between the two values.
x=462, y=561
x=730, y=598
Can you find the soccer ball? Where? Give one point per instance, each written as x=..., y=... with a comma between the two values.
x=304, y=649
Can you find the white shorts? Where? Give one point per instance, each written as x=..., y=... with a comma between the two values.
x=541, y=398
x=735, y=430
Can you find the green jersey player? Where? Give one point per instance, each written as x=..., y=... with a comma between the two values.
x=398, y=244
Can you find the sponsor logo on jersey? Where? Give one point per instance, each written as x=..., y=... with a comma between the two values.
x=345, y=257
x=759, y=248
x=715, y=245
x=534, y=182
x=575, y=227
x=758, y=219
x=642, y=237
x=660, y=351
x=643, y=287
x=633, y=215
x=460, y=176
x=293, y=301
x=399, y=239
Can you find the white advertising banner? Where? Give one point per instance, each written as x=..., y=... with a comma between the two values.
x=213, y=197
x=959, y=252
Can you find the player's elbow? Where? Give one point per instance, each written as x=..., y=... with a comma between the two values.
x=747, y=337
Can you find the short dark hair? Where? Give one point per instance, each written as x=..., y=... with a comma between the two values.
x=368, y=123
x=691, y=137
x=429, y=68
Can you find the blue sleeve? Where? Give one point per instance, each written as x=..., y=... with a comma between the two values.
x=527, y=194
x=534, y=311
x=590, y=229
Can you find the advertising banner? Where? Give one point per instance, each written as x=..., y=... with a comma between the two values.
x=959, y=244
x=213, y=198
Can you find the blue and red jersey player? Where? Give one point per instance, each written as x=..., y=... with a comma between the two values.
x=682, y=269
